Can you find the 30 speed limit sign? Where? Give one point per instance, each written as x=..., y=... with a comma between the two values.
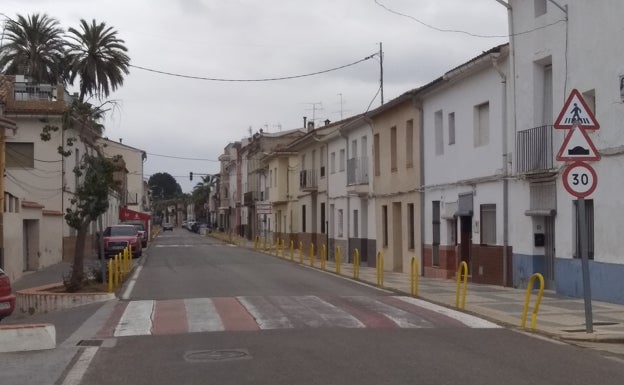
x=580, y=179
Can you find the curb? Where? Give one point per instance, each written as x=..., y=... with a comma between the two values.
x=21, y=338
x=41, y=300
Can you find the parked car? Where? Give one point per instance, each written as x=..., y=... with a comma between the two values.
x=184, y=224
x=140, y=226
x=7, y=298
x=189, y=225
x=118, y=237
x=167, y=226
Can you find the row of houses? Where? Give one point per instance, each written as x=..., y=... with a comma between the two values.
x=460, y=169
x=39, y=183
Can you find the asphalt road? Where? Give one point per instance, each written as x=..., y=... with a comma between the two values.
x=281, y=323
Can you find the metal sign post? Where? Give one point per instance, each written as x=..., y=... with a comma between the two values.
x=589, y=324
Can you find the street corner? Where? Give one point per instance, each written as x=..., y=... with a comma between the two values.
x=27, y=337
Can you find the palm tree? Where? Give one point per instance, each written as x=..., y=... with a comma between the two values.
x=35, y=48
x=201, y=193
x=99, y=57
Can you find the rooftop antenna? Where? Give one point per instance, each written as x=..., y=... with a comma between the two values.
x=315, y=108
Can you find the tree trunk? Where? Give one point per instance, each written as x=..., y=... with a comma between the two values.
x=77, y=274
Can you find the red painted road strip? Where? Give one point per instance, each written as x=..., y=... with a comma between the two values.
x=437, y=319
x=108, y=330
x=233, y=315
x=169, y=317
x=369, y=318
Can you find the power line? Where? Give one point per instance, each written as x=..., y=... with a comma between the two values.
x=252, y=80
x=460, y=31
x=181, y=157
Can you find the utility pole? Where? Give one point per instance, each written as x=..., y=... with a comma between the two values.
x=381, y=71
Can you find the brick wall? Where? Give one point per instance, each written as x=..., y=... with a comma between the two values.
x=487, y=265
x=448, y=262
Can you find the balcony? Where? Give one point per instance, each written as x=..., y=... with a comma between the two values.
x=534, y=149
x=308, y=180
x=250, y=197
x=357, y=176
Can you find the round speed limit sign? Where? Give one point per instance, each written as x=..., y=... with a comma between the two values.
x=580, y=179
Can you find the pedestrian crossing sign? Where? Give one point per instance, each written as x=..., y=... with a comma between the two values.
x=575, y=112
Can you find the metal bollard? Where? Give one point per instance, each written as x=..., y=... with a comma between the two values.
x=311, y=254
x=323, y=256
x=300, y=252
x=463, y=267
x=338, y=258
x=414, y=277
x=110, y=275
x=527, y=299
x=356, y=264
x=292, y=250
x=380, y=269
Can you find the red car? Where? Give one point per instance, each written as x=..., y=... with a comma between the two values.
x=118, y=237
x=7, y=298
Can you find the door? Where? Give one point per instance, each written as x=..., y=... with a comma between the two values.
x=465, y=239
x=397, y=237
x=549, y=251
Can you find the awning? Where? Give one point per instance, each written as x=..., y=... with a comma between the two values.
x=541, y=213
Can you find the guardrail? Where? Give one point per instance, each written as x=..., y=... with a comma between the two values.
x=527, y=299
x=118, y=268
x=463, y=268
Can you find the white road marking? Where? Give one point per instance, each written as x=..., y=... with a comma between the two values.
x=202, y=316
x=267, y=315
x=75, y=374
x=466, y=319
x=136, y=319
x=347, y=278
x=132, y=282
x=334, y=316
x=400, y=317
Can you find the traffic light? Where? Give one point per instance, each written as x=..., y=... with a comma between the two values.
x=191, y=175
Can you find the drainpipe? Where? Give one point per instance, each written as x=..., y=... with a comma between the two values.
x=504, y=165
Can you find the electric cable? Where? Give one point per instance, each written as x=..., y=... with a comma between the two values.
x=252, y=80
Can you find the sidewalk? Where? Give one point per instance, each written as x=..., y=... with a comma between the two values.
x=558, y=316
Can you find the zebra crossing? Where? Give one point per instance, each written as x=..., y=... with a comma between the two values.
x=192, y=315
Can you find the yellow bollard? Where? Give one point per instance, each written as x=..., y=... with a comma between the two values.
x=338, y=259
x=292, y=250
x=256, y=242
x=380, y=269
x=300, y=252
x=116, y=271
x=311, y=254
x=323, y=256
x=463, y=268
x=110, y=276
x=356, y=264
x=283, y=248
x=527, y=298
x=264, y=244
x=414, y=277
x=276, y=246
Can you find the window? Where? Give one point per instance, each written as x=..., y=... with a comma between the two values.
x=303, y=218
x=20, y=155
x=438, y=133
x=482, y=124
x=589, y=224
x=384, y=225
x=488, y=224
x=451, y=128
x=410, y=226
x=540, y=7
x=435, y=222
x=332, y=162
x=409, y=144
x=341, y=166
x=393, y=149
x=271, y=178
x=340, y=223
x=376, y=149
x=275, y=176
x=356, y=224
x=322, y=217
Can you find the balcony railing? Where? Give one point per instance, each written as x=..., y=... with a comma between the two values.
x=534, y=149
x=357, y=171
x=308, y=180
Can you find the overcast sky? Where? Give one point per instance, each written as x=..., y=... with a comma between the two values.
x=253, y=39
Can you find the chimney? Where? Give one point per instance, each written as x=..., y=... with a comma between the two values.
x=120, y=140
x=310, y=126
x=327, y=121
x=305, y=119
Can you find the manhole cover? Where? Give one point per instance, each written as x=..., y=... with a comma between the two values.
x=90, y=343
x=216, y=355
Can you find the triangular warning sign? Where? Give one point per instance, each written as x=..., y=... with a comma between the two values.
x=575, y=111
x=577, y=146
